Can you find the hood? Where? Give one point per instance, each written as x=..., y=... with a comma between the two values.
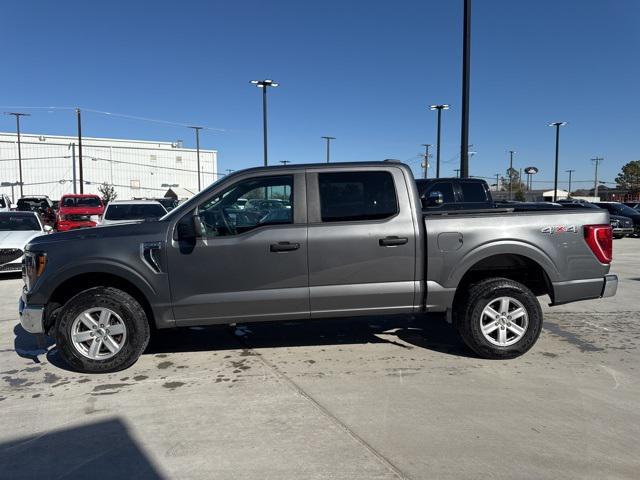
x=81, y=210
x=106, y=231
x=17, y=238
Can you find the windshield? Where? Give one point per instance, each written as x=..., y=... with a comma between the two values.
x=29, y=204
x=12, y=222
x=81, y=202
x=134, y=211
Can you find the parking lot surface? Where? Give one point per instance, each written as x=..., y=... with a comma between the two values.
x=373, y=398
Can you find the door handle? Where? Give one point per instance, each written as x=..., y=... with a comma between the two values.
x=392, y=241
x=284, y=247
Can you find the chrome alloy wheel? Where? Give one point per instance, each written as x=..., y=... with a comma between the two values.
x=98, y=333
x=504, y=321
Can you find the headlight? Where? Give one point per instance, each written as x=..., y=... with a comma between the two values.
x=615, y=223
x=33, y=266
x=95, y=218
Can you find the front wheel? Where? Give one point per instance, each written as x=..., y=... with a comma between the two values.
x=499, y=318
x=102, y=329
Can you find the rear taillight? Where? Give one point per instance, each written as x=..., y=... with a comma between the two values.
x=600, y=241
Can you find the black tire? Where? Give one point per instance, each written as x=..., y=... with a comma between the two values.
x=126, y=307
x=467, y=317
x=618, y=237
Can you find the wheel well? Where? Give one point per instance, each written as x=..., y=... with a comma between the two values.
x=514, y=267
x=71, y=287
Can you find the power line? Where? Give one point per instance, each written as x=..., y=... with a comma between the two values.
x=120, y=115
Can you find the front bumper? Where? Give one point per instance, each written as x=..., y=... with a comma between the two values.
x=31, y=316
x=623, y=231
x=66, y=225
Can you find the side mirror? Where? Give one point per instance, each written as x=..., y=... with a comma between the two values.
x=47, y=228
x=186, y=229
x=435, y=199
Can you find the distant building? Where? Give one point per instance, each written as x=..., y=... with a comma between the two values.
x=136, y=168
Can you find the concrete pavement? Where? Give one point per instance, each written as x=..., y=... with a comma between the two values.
x=345, y=399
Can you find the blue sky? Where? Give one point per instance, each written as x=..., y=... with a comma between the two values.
x=361, y=71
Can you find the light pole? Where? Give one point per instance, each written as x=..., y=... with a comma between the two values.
x=570, y=172
x=18, y=115
x=555, y=177
x=328, y=139
x=439, y=109
x=497, y=181
x=466, y=66
x=80, y=150
x=197, y=130
x=425, y=171
x=457, y=170
x=264, y=85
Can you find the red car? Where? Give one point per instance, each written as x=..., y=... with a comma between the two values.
x=78, y=211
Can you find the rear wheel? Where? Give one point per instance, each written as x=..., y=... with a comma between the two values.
x=499, y=318
x=102, y=329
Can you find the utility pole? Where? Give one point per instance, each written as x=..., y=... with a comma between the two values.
x=80, y=150
x=197, y=130
x=511, y=152
x=596, y=162
x=466, y=65
x=229, y=170
x=497, y=182
x=570, y=172
x=328, y=139
x=18, y=115
x=425, y=169
x=457, y=170
x=439, y=109
x=73, y=162
x=284, y=162
x=264, y=85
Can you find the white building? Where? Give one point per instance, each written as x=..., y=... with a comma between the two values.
x=136, y=168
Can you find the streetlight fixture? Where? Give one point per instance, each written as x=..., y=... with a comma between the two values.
x=264, y=85
x=197, y=130
x=555, y=178
x=439, y=108
x=328, y=139
x=18, y=115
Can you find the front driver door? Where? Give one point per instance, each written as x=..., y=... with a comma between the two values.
x=249, y=262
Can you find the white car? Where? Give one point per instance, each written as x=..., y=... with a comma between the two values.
x=124, y=211
x=5, y=203
x=16, y=230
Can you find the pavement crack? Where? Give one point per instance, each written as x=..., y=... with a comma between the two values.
x=324, y=411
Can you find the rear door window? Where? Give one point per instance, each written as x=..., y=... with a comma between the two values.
x=356, y=196
x=445, y=188
x=473, y=192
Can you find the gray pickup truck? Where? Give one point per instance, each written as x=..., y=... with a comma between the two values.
x=307, y=242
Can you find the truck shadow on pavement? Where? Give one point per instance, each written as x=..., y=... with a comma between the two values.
x=431, y=333
x=98, y=450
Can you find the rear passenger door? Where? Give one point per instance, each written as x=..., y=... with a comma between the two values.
x=361, y=243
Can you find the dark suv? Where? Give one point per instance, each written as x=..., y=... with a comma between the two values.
x=616, y=208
